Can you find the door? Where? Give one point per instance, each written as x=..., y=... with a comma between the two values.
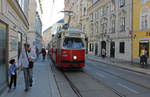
x=103, y=46
x=144, y=44
x=112, y=49
x=96, y=49
x=3, y=55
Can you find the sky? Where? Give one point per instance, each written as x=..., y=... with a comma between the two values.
x=51, y=12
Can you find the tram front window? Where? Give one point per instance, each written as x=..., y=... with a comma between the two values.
x=73, y=43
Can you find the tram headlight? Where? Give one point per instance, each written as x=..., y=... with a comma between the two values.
x=75, y=57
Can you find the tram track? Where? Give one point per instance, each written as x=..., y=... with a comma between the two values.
x=73, y=87
x=106, y=71
x=119, y=84
x=112, y=89
x=79, y=94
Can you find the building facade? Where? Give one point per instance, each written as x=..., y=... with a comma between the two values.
x=38, y=32
x=75, y=7
x=13, y=33
x=85, y=4
x=47, y=34
x=35, y=24
x=109, y=26
x=141, y=28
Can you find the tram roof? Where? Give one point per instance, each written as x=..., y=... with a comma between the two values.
x=73, y=30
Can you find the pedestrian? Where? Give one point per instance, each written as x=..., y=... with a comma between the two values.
x=24, y=64
x=31, y=58
x=37, y=52
x=143, y=57
x=12, y=74
x=43, y=53
x=103, y=53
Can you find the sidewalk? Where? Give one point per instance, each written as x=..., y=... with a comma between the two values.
x=43, y=83
x=120, y=63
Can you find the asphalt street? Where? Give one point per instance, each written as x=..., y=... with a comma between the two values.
x=85, y=84
x=127, y=83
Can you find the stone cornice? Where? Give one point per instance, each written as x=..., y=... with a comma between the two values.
x=16, y=7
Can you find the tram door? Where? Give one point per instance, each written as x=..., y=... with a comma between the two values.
x=112, y=49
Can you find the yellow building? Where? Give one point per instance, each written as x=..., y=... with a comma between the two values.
x=141, y=27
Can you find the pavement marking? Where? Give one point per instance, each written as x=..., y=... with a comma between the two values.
x=132, y=90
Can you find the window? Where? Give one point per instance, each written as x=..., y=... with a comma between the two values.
x=122, y=24
x=143, y=1
x=113, y=26
x=101, y=12
x=112, y=5
x=84, y=11
x=122, y=3
x=73, y=43
x=95, y=1
x=21, y=3
x=144, y=21
x=122, y=47
x=104, y=24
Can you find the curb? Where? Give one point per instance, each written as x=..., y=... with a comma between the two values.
x=126, y=68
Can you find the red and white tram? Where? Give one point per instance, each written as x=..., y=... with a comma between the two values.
x=67, y=48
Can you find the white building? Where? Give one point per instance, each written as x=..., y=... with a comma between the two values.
x=109, y=26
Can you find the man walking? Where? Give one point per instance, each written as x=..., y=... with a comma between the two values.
x=32, y=58
x=24, y=64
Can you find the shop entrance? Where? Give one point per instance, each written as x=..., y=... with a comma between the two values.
x=144, y=44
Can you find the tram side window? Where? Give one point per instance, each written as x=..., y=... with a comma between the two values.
x=73, y=43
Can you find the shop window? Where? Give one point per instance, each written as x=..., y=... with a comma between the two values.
x=122, y=47
x=3, y=54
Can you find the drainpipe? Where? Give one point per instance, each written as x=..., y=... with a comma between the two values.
x=132, y=31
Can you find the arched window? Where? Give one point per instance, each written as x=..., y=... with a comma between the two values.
x=144, y=18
